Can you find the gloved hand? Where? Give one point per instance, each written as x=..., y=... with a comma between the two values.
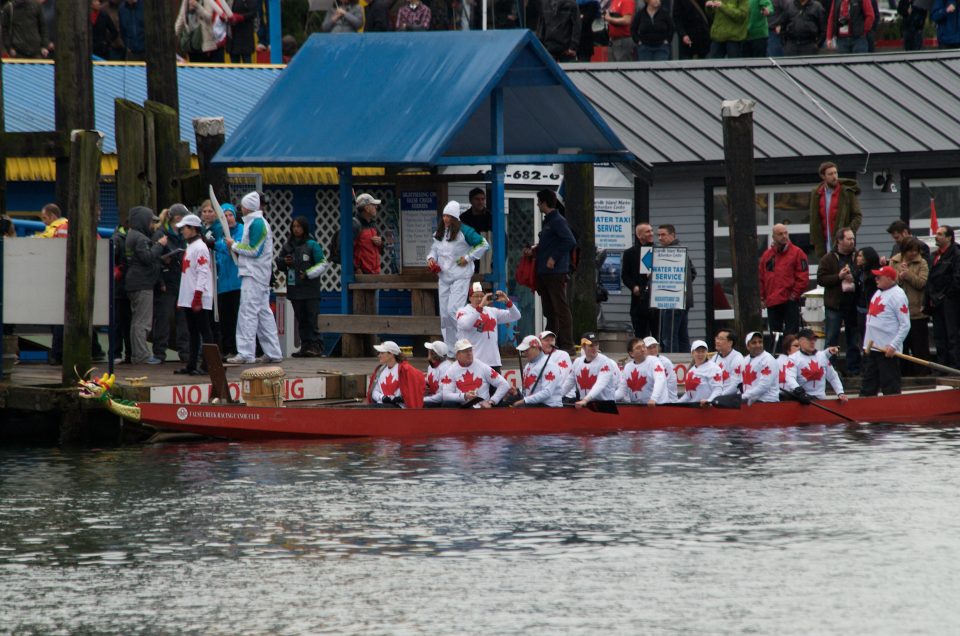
x=197, y=304
x=236, y=18
x=802, y=396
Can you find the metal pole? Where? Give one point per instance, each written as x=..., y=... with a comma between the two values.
x=273, y=23
x=484, y=16
x=346, y=236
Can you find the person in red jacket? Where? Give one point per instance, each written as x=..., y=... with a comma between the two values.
x=784, y=276
x=367, y=242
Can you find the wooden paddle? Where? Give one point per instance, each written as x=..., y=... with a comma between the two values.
x=811, y=402
x=926, y=363
x=732, y=401
x=604, y=407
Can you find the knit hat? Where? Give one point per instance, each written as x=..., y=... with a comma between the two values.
x=452, y=209
x=250, y=201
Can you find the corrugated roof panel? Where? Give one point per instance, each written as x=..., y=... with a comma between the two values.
x=205, y=91
x=410, y=98
x=888, y=103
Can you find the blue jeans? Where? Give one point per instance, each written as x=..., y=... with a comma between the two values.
x=673, y=330
x=848, y=318
x=653, y=53
x=774, y=45
x=852, y=45
x=725, y=49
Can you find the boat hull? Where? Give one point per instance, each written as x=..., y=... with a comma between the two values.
x=243, y=422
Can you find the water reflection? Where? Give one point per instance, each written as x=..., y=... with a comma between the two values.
x=677, y=505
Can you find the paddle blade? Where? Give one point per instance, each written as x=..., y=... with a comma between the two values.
x=728, y=401
x=608, y=407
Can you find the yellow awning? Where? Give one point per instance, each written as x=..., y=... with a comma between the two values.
x=42, y=169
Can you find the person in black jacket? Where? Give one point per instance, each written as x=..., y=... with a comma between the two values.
x=652, y=31
x=241, y=45
x=942, y=298
x=642, y=317
x=803, y=26
x=169, y=321
x=559, y=30
x=693, y=29
x=302, y=259
x=103, y=31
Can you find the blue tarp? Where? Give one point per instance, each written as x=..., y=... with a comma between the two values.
x=380, y=99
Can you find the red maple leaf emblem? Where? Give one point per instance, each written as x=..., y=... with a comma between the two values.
x=659, y=369
x=766, y=371
x=586, y=381
x=485, y=323
x=185, y=265
x=903, y=309
x=459, y=315
x=749, y=375
x=636, y=382
x=446, y=380
x=562, y=364
x=549, y=377
x=432, y=385
x=876, y=307
x=724, y=376
x=813, y=372
x=493, y=374
x=691, y=382
x=529, y=381
x=390, y=385
x=783, y=375
x=469, y=383
x=718, y=378
x=202, y=260
x=604, y=368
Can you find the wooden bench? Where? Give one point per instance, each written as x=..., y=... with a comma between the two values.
x=360, y=328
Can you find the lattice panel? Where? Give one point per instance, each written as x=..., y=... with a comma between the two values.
x=328, y=223
x=279, y=214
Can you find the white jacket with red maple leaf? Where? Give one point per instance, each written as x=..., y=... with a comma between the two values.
x=196, y=275
x=543, y=381
x=387, y=384
x=478, y=377
x=731, y=371
x=888, y=319
x=785, y=366
x=640, y=383
x=480, y=328
x=812, y=373
x=671, y=377
x=432, y=379
x=597, y=379
x=761, y=379
x=702, y=383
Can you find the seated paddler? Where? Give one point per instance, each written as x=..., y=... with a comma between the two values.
x=395, y=382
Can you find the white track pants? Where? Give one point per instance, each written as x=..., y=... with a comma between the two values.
x=256, y=320
x=453, y=297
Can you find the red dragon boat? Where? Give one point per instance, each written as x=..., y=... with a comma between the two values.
x=238, y=422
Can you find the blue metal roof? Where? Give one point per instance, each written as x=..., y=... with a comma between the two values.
x=421, y=99
x=205, y=91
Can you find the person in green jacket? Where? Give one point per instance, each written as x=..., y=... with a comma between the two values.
x=728, y=30
x=758, y=33
x=833, y=204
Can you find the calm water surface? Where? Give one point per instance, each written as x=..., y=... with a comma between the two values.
x=789, y=531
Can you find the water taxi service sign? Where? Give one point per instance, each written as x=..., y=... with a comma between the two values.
x=668, y=279
x=613, y=223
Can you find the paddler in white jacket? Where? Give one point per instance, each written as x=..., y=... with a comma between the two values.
x=455, y=249
x=594, y=375
x=437, y=366
x=255, y=262
x=469, y=379
x=888, y=323
x=761, y=373
x=542, y=379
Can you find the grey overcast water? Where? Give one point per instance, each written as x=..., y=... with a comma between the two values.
x=809, y=530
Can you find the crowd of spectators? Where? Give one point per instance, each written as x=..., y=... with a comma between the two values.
x=216, y=31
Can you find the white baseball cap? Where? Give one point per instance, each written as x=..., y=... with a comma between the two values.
x=463, y=344
x=529, y=341
x=192, y=220
x=388, y=346
x=439, y=347
x=452, y=209
x=649, y=341
x=696, y=344
x=366, y=199
x=477, y=287
x=751, y=335
x=544, y=334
